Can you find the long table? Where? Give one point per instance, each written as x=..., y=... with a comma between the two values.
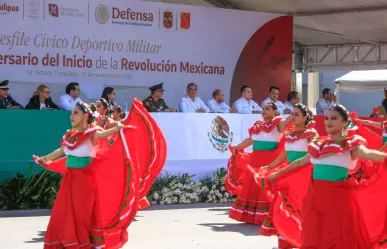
x=197, y=143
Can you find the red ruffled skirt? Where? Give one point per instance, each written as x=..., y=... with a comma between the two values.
x=152, y=147
x=236, y=171
x=332, y=218
x=251, y=205
x=286, y=208
x=283, y=195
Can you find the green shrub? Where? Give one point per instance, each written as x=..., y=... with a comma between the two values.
x=40, y=190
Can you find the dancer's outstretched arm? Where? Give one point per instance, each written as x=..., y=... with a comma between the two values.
x=368, y=122
x=284, y=123
x=52, y=156
x=245, y=143
x=103, y=134
x=373, y=155
x=277, y=161
x=298, y=163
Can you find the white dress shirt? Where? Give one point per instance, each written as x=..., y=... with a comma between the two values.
x=322, y=106
x=280, y=105
x=288, y=106
x=189, y=105
x=66, y=102
x=244, y=106
x=218, y=107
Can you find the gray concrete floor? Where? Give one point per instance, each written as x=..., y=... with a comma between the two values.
x=199, y=226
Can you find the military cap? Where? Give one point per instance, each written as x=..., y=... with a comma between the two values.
x=4, y=85
x=157, y=87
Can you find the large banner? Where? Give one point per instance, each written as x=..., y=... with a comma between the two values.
x=139, y=44
x=207, y=137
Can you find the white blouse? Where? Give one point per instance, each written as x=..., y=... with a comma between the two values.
x=343, y=160
x=273, y=136
x=84, y=150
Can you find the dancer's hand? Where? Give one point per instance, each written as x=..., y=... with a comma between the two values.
x=121, y=126
x=272, y=176
x=235, y=151
x=40, y=159
x=266, y=168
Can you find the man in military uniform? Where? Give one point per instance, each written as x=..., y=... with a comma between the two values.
x=6, y=101
x=155, y=102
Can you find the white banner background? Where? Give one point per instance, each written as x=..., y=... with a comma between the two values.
x=187, y=134
x=215, y=37
x=189, y=148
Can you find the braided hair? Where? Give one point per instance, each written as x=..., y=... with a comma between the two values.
x=119, y=110
x=86, y=109
x=273, y=106
x=309, y=122
x=344, y=113
x=104, y=103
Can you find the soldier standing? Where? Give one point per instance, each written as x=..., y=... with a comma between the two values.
x=155, y=102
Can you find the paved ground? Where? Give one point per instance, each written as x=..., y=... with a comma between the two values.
x=164, y=227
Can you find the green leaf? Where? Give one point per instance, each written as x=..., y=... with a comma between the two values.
x=35, y=197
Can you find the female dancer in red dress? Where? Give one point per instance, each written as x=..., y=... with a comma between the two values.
x=100, y=191
x=296, y=141
x=103, y=109
x=93, y=108
x=117, y=113
x=91, y=209
x=104, y=121
x=334, y=215
x=252, y=206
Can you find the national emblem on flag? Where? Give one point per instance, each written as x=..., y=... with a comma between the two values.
x=168, y=19
x=53, y=9
x=185, y=20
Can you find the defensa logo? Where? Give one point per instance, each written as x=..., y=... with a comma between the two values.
x=9, y=8
x=130, y=17
x=124, y=17
x=128, y=14
x=101, y=14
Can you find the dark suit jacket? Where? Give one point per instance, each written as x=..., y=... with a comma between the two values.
x=4, y=102
x=35, y=103
x=154, y=106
